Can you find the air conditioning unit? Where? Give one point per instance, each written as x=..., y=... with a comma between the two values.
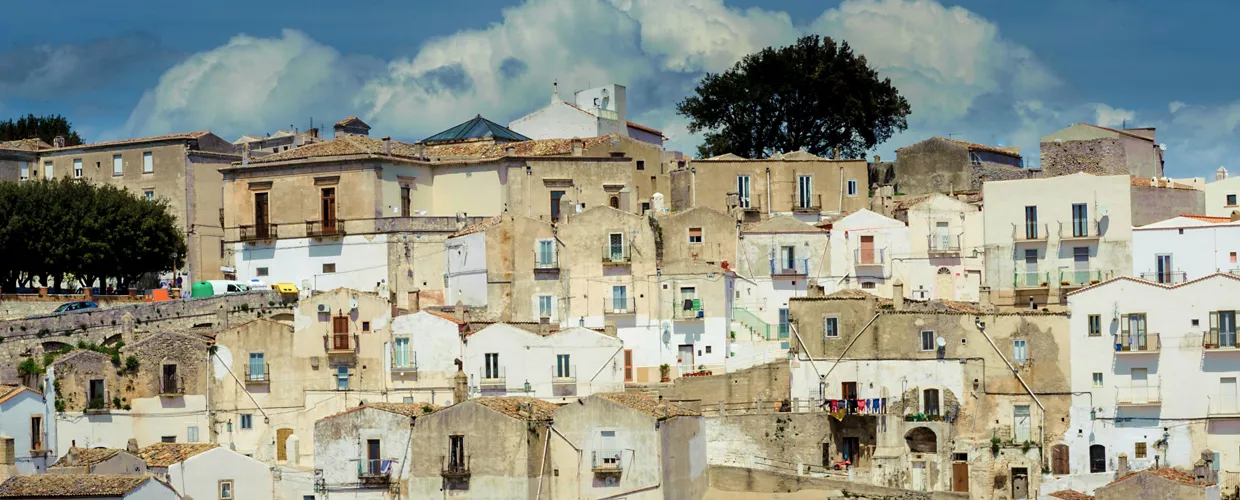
x=324, y=308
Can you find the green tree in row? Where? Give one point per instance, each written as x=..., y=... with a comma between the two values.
x=42, y=127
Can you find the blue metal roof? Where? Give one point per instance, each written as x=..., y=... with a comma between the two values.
x=476, y=128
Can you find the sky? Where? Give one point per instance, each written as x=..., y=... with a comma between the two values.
x=991, y=71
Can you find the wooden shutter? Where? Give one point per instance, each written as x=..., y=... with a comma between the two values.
x=340, y=324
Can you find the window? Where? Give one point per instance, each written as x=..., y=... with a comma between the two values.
x=1018, y=351
x=192, y=433
x=546, y=253
x=784, y=326
x=77, y=168
x=365, y=326
x=329, y=268
x=868, y=285
x=258, y=367
x=148, y=195
x=327, y=210
x=1097, y=379
x=456, y=452
x=1222, y=329
x=1031, y=223
x=342, y=378
x=619, y=299
x=927, y=340
x=695, y=235
x=404, y=201
x=1095, y=325
x=1233, y=257
x=555, y=204
x=930, y=402
x=641, y=164
x=1132, y=334
x=96, y=394
x=402, y=353
x=707, y=349
x=1020, y=423
x=805, y=191
x=169, y=380
x=24, y=171
x=1080, y=219
x=118, y=166
x=830, y=327
x=226, y=489
x=742, y=191
x=1162, y=268
x=974, y=158
x=615, y=247
x=788, y=258
x=1231, y=200
x=148, y=162
x=247, y=421
x=852, y=187
x=607, y=445
x=260, y=271
x=47, y=170
x=544, y=306
x=1139, y=452
x=491, y=365
x=167, y=439
x=562, y=367
x=36, y=432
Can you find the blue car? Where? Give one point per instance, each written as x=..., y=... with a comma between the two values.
x=77, y=306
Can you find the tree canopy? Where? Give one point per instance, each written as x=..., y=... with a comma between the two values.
x=43, y=127
x=70, y=229
x=814, y=95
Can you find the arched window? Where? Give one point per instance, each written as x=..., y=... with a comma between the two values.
x=1097, y=458
x=922, y=440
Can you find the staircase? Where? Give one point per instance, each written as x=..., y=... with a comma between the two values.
x=752, y=322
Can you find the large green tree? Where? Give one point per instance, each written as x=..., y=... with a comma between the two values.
x=43, y=127
x=815, y=95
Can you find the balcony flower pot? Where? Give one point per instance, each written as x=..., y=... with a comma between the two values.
x=664, y=372
x=1064, y=283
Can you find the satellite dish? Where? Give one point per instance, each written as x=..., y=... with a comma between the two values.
x=941, y=341
x=1162, y=147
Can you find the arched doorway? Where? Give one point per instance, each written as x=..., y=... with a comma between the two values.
x=1097, y=458
x=922, y=440
x=943, y=289
x=614, y=202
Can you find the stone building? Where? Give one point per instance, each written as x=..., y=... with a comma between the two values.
x=556, y=366
x=202, y=470
x=797, y=184
x=940, y=165
x=18, y=159
x=364, y=452
x=780, y=258
x=868, y=252
x=592, y=112
x=967, y=399
x=1162, y=482
x=1093, y=149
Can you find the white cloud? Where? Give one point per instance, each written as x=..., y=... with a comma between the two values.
x=1114, y=117
x=1174, y=106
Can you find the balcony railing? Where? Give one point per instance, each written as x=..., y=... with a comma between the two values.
x=619, y=304
x=751, y=204
x=493, y=378
x=374, y=469
x=1079, y=230
x=407, y=365
x=259, y=232
x=1074, y=278
x=1031, y=280
x=1224, y=409
x=340, y=343
x=1138, y=396
x=546, y=263
x=870, y=256
x=1137, y=343
x=689, y=309
x=1219, y=341
x=616, y=255
x=171, y=385
x=325, y=228
x=258, y=377
x=811, y=204
x=607, y=460
x=1166, y=277
x=561, y=377
x=943, y=244
x=457, y=468
x=1029, y=232
x=781, y=267
x=98, y=404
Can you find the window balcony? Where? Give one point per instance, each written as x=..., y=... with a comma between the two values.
x=564, y=381
x=1229, y=410
x=406, y=363
x=810, y=204
x=1138, y=396
x=457, y=468
x=258, y=377
x=690, y=309
x=259, y=233
x=492, y=379
x=1030, y=232
x=98, y=405
x=325, y=228
x=1079, y=230
x=171, y=385
x=943, y=244
x=1077, y=278
x=752, y=204
x=783, y=268
x=619, y=305
x=1031, y=280
x=1166, y=277
x=546, y=263
x=340, y=343
x=1138, y=343
x=869, y=257
x=607, y=461
x=617, y=255
x=1219, y=341
x=374, y=471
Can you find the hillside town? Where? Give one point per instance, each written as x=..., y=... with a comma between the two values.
x=562, y=307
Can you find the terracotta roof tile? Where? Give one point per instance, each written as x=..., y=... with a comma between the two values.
x=486, y=149
x=647, y=404
x=31, y=144
x=352, y=121
x=644, y=128
x=406, y=409
x=1071, y=495
x=71, y=485
x=77, y=457
x=1166, y=473
x=1206, y=218
x=1151, y=283
x=138, y=140
x=444, y=316
x=542, y=410
x=781, y=224
x=165, y=454
x=341, y=146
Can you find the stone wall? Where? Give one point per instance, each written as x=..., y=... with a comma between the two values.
x=1153, y=204
x=1098, y=156
x=14, y=306
x=987, y=172
x=770, y=382
x=738, y=479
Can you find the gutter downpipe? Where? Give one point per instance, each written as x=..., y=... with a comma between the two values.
x=856, y=337
x=842, y=187
x=1041, y=409
x=542, y=467
x=768, y=192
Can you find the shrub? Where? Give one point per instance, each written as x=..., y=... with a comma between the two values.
x=60, y=405
x=131, y=364
x=29, y=366
x=116, y=402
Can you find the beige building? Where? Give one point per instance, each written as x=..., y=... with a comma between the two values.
x=797, y=184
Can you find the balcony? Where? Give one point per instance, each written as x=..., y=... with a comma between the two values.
x=753, y=204
x=607, y=461
x=870, y=257
x=325, y=228
x=617, y=255
x=1031, y=280
x=404, y=362
x=810, y=204
x=259, y=233
x=1166, y=277
x=690, y=309
x=258, y=377
x=340, y=343
x=1076, y=278
x=1137, y=343
x=943, y=244
x=1030, y=232
x=1079, y=230
x=98, y=405
x=794, y=269
x=374, y=471
x=619, y=305
x=456, y=467
x=1219, y=341
x=564, y=381
x=1138, y=396
x=492, y=379
x=171, y=386
x=1224, y=410
x=546, y=263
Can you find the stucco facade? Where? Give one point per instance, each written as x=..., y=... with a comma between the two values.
x=24, y=418
x=946, y=249
x=868, y=252
x=364, y=452
x=201, y=475
x=779, y=258
x=559, y=366
x=424, y=348
x=773, y=186
x=1185, y=248
x=1222, y=196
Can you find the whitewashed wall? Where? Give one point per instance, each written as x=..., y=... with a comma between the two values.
x=361, y=262
x=1197, y=248
x=199, y=476
x=596, y=358
x=465, y=263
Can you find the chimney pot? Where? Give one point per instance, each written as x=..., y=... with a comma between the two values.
x=877, y=159
x=578, y=147
x=897, y=295
x=387, y=145
x=59, y=141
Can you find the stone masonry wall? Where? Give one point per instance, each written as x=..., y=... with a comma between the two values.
x=1098, y=156
x=14, y=306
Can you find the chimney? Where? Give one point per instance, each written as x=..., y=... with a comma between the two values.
x=132, y=446
x=1235, y=215
x=836, y=153
x=459, y=310
x=8, y=448
x=245, y=154
x=877, y=159
x=510, y=150
x=610, y=328
x=983, y=298
x=660, y=411
x=578, y=147
x=897, y=295
x=59, y=141
x=525, y=410
x=387, y=146
x=1122, y=469
x=313, y=132
x=460, y=384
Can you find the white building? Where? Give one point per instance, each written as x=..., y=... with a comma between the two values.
x=866, y=249
x=1185, y=248
x=1222, y=195
x=364, y=451
x=946, y=248
x=778, y=258
x=560, y=366
x=23, y=417
x=421, y=360
x=593, y=112
x=200, y=470
x=1154, y=370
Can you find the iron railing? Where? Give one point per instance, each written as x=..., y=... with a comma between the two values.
x=619, y=304
x=812, y=204
x=171, y=385
x=339, y=343
x=492, y=378
x=1078, y=229
x=752, y=321
x=781, y=267
x=259, y=232
x=1138, y=343
x=616, y=254
x=1214, y=340
x=1029, y=232
x=546, y=262
x=374, y=468
x=560, y=377
x=941, y=243
x=455, y=466
x=1079, y=277
x=410, y=364
x=258, y=377
x=1138, y=395
x=1166, y=277
x=325, y=227
x=1031, y=279
x=870, y=256
x=607, y=460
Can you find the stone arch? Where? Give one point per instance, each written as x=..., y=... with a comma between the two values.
x=53, y=346
x=112, y=340
x=922, y=440
x=282, y=317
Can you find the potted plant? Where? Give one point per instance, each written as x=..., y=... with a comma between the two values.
x=665, y=372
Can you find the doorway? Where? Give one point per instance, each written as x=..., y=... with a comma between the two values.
x=918, y=476
x=851, y=450
x=826, y=455
x=1097, y=459
x=282, y=435
x=849, y=391
x=262, y=215
x=1059, y=459
x=960, y=477
x=372, y=456
x=329, y=210
x=1020, y=483
x=867, y=250
x=943, y=284
x=684, y=357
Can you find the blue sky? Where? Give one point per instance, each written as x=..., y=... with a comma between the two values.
x=983, y=70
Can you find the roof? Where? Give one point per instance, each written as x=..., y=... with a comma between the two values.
x=342, y=146
x=476, y=128
x=726, y=156
x=781, y=224
x=542, y=410
x=797, y=155
x=1165, y=473
x=647, y=404
x=443, y=316
x=487, y=149
x=247, y=139
x=71, y=485
x=352, y=121
x=31, y=144
x=8, y=392
x=479, y=227
x=1151, y=283
x=184, y=136
x=166, y=454
x=973, y=146
x=1155, y=182
x=77, y=457
x=1118, y=131
x=644, y=128
x=406, y=409
x=1071, y=495
x=1207, y=218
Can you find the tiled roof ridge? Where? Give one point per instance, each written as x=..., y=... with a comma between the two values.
x=136, y=140
x=1151, y=283
x=982, y=147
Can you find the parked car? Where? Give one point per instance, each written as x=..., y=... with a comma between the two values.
x=212, y=288
x=80, y=305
